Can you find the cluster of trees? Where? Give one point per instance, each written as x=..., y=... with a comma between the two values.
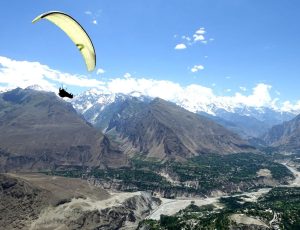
x=206, y=172
x=285, y=202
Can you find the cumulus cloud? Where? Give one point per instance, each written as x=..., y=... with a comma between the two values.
x=127, y=75
x=153, y=88
x=201, y=31
x=196, y=68
x=198, y=36
x=95, y=22
x=192, y=94
x=100, y=71
x=260, y=97
x=196, y=96
x=288, y=106
x=243, y=88
x=24, y=73
x=180, y=46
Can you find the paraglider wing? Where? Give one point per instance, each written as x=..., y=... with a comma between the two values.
x=77, y=34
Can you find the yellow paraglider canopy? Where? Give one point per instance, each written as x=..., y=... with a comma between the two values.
x=77, y=34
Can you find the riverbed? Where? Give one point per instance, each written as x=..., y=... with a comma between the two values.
x=172, y=206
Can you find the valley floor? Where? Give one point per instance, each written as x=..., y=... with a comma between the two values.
x=72, y=203
x=171, y=206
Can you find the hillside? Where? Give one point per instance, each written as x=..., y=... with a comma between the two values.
x=285, y=136
x=161, y=129
x=43, y=131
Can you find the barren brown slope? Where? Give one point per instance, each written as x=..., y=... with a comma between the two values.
x=25, y=196
x=285, y=136
x=40, y=131
x=162, y=129
x=37, y=201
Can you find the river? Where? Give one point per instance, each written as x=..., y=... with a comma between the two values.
x=172, y=206
x=293, y=169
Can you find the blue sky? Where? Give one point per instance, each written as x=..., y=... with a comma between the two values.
x=230, y=46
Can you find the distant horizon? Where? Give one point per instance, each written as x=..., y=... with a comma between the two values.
x=233, y=52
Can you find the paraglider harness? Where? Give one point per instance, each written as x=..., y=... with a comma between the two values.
x=63, y=93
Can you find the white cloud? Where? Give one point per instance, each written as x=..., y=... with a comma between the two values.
x=201, y=31
x=196, y=68
x=288, y=106
x=127, y=75
x=228, y=90
x=260, y=97
x=187, y=38
x=173, y=91
x=243, y=88
x=93, y=15
x=24, y=73
x=100, y=71
x=180, y=46
x=198, y=37
x=153, y=88
x=194, y=96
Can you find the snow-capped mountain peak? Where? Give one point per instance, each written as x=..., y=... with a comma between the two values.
x=93, y=102
x=36, y=87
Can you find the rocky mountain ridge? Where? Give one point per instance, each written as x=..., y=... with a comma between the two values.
x=285, y=136
x=162, y=129
x=244, y=120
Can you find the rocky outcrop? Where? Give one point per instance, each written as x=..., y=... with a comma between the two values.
x=123, y=210
x=35, y=202
x=21, y=202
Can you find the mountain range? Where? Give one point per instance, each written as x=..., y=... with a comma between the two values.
x=43, y=131
x=246, y=121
